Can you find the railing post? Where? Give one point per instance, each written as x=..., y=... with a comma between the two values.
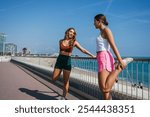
x=136, y=80
x=149, y=80
x=142, y=78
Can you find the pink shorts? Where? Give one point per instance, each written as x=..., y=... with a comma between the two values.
x=105, y=61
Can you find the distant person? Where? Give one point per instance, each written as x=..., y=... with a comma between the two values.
x=107, y=73
x=63, y=62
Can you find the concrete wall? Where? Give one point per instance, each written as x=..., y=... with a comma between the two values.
x=5, y=58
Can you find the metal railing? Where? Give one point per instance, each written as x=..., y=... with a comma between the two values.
x=134, y=80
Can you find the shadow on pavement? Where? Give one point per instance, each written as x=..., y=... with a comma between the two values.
x=40, y=94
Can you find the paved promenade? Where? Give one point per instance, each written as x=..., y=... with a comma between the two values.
x=16, y=84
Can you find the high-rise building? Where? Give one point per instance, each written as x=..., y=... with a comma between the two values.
x=2, y=40
x=10, y=49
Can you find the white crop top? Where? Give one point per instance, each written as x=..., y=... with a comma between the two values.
x=102, y=44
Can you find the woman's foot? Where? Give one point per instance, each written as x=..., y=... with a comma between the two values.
x=61, y=98
x=127, y=60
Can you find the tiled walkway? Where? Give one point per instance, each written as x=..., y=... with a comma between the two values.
x=15, y=84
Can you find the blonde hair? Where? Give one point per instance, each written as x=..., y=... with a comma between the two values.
x=74, y=37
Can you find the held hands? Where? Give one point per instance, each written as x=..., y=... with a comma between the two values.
x=124, y=62
x=122, y=65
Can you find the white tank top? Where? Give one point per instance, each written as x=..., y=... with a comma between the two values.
x=102, y=44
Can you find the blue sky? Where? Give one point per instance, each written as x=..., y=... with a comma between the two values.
x=40, y=24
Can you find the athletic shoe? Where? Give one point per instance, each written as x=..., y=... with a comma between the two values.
x=61, y=98
x=127, y=60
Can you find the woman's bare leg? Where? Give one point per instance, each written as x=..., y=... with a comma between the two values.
x=112, y=78
x=106, y=80
x=56, y=74
x=66, y=75
x=102, y=77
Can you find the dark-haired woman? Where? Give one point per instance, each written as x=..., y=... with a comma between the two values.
x=63, y=62
x=107, y=73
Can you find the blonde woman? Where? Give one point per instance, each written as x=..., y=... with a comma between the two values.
x=63, y=62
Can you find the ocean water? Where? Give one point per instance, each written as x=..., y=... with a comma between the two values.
x=136, y=72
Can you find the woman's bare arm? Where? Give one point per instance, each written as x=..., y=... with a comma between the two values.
x=77, y=45
x=111, y=41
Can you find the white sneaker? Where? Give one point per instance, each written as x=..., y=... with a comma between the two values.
x=61, y=98
x=127, y=60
